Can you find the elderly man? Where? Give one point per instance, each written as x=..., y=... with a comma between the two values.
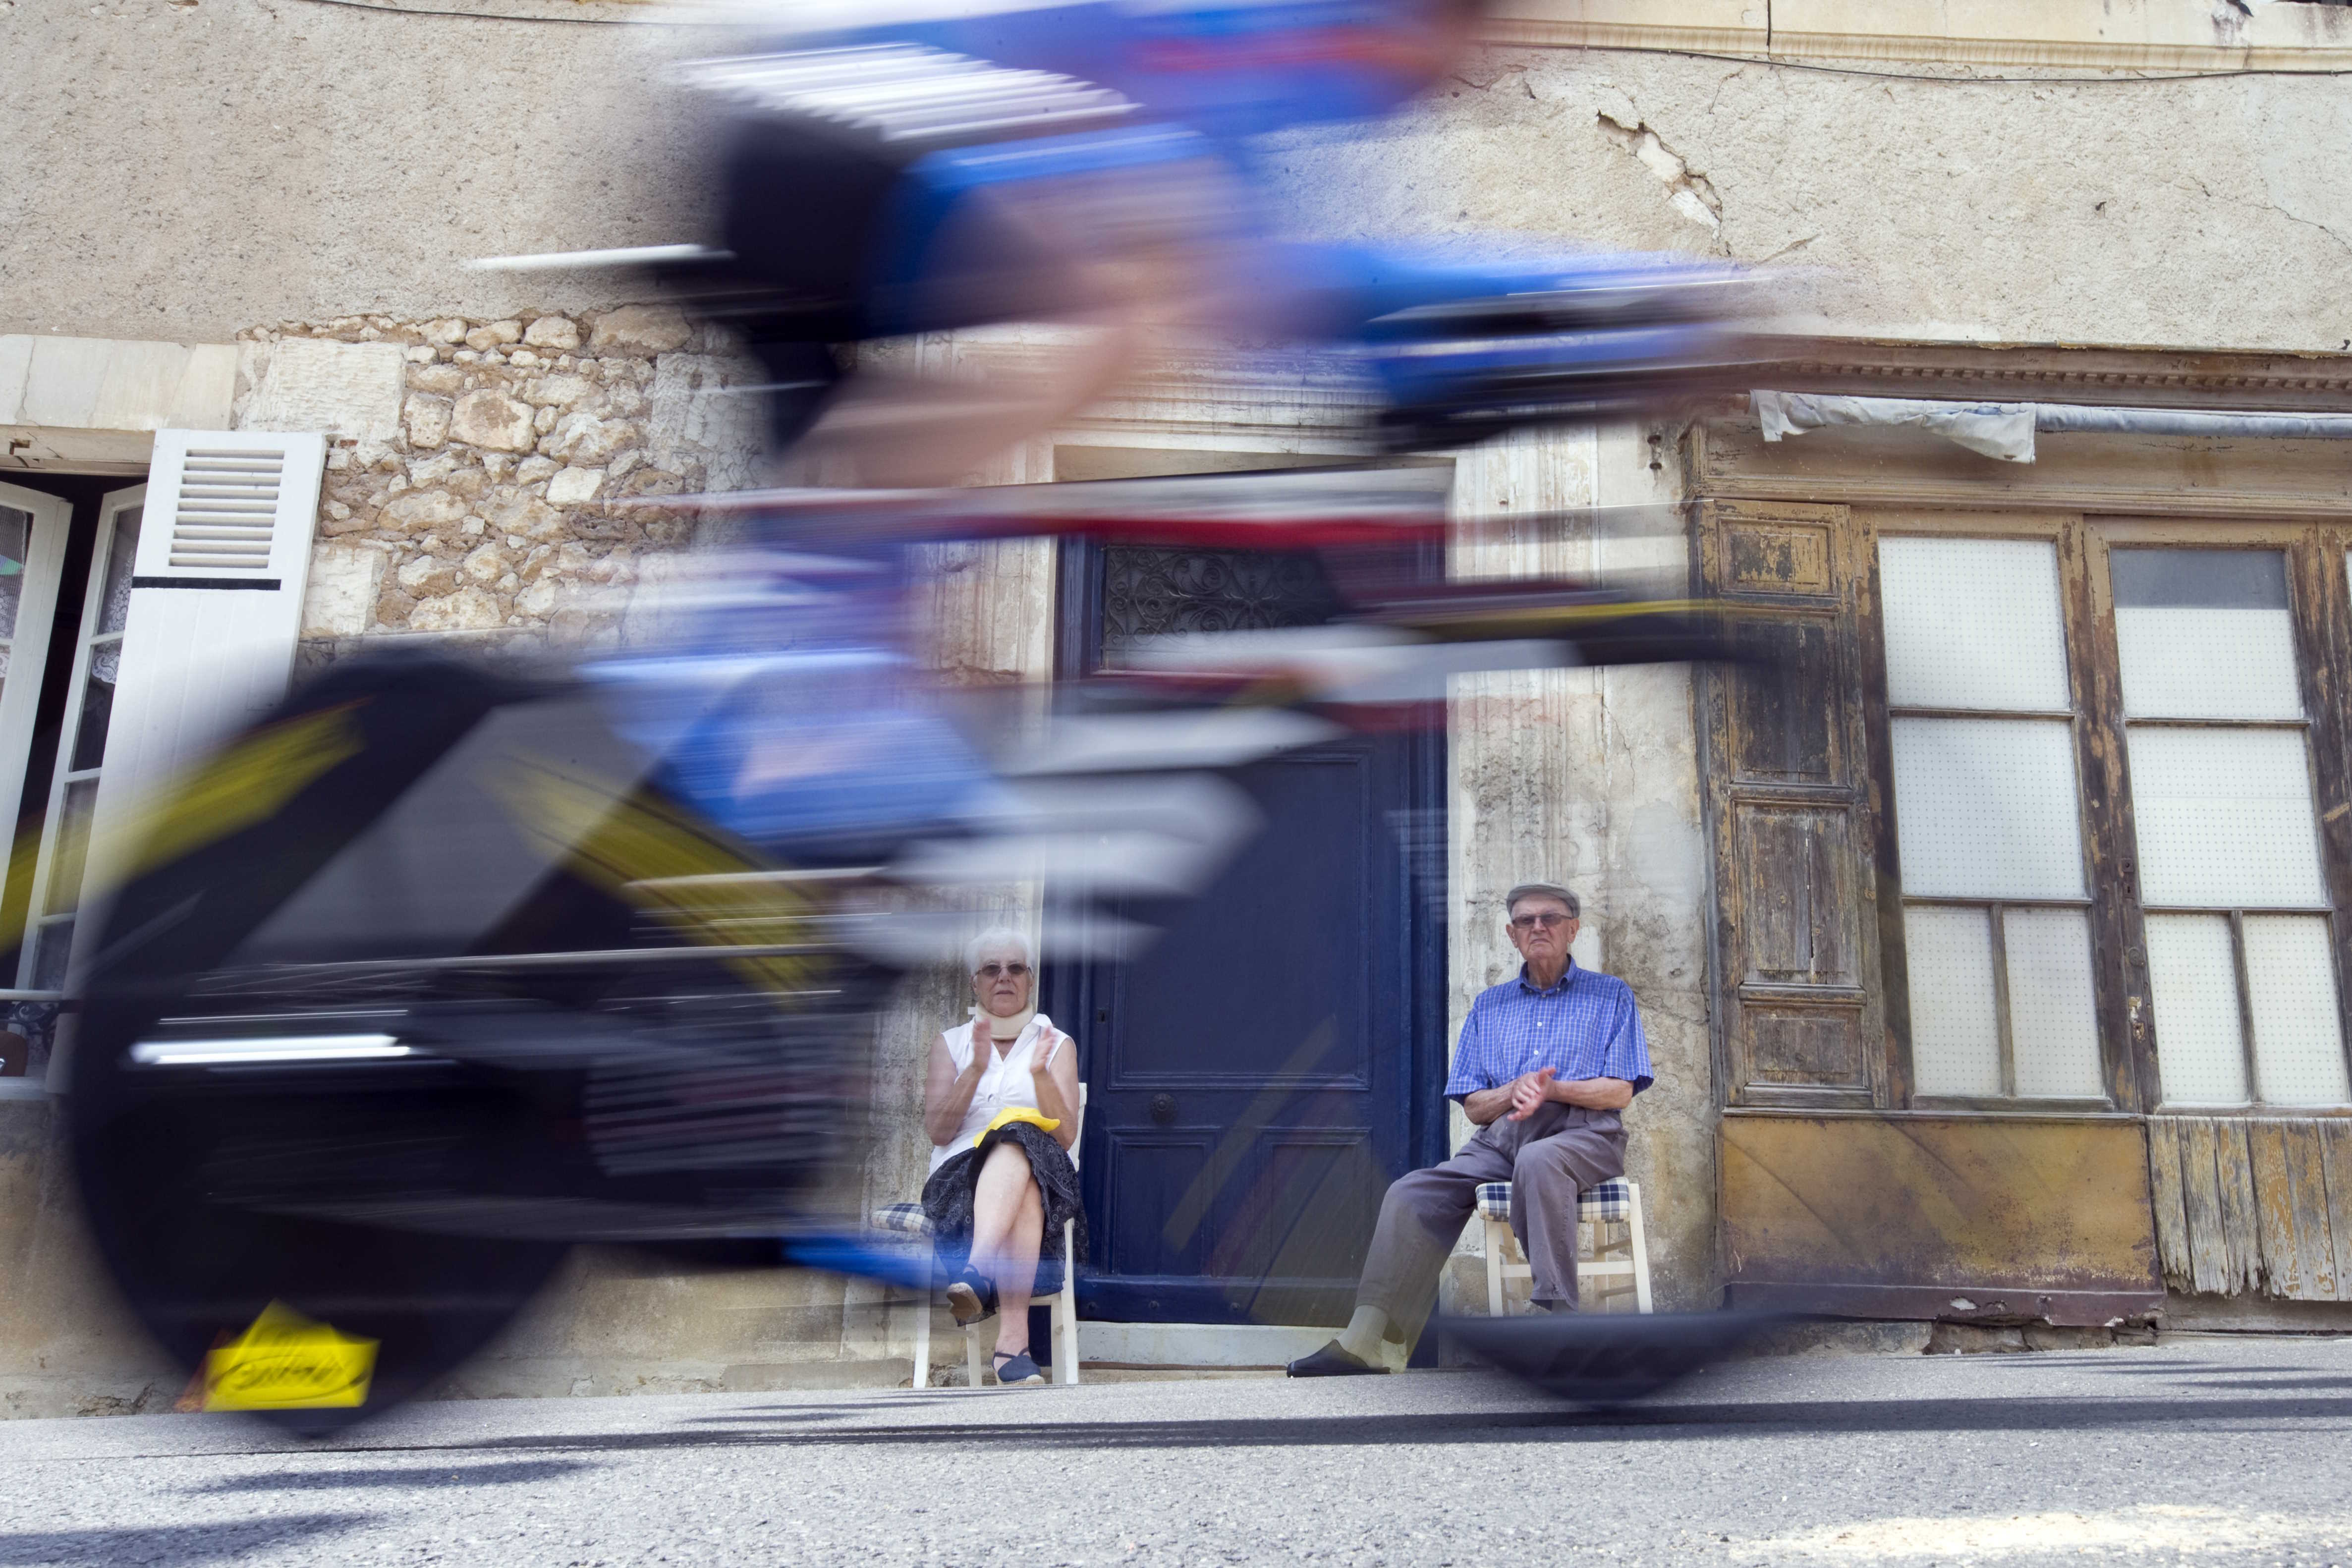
x=1545, y=1063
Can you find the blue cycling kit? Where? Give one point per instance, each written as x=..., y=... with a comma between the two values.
x=860, y=138
x=863, y=141
x=1227, y=69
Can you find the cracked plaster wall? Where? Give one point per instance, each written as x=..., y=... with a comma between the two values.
x=184, y=170
x=181, y=171
x=2191, y=214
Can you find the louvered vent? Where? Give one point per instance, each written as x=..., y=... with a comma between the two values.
x=227, y=510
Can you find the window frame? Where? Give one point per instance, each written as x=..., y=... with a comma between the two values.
x=44, y=571
x=87, y=639
x=2318, y=562
x=2066, y=534
x=2318, y=556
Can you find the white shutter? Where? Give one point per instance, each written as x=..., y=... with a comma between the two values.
x=216, y=606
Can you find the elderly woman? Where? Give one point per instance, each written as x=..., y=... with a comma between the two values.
x=1000, y=1106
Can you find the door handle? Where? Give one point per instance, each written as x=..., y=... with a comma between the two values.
x=1163, y=1110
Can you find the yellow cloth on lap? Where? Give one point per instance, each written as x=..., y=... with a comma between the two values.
x=1013, y=1114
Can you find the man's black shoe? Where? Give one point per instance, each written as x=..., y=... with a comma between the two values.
x=1332, y=1362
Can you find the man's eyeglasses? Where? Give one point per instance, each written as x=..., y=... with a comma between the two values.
x=998, y=971
x=1530, y=922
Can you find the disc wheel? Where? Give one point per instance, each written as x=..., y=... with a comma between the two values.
x=165, y=1159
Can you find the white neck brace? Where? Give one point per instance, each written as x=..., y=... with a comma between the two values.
x=988, y=1025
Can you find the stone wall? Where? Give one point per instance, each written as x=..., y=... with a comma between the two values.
x=492, y=477
x=68, y=1345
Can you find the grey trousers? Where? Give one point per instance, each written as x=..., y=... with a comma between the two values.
x=1549, y=1158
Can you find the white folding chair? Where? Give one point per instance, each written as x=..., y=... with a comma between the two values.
x=1062, y=1306
x=1614, y=1202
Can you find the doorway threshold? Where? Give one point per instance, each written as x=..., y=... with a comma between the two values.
x=1205, y=1347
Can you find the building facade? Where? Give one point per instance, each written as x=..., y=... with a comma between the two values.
x=1993, y=952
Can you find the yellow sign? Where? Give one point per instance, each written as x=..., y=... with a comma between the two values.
x=286, y=1362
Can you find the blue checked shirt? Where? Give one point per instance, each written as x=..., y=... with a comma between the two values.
x=1585, y=1026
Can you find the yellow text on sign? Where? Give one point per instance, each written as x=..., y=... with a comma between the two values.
x=287, y=1362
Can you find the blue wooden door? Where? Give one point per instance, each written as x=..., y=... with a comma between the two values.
x=1263, y=1070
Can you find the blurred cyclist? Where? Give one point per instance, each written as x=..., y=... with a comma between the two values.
x=917, y=166
x=950, y=163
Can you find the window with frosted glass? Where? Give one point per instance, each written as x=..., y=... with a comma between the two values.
x=2241, y=931
x=1996, y=909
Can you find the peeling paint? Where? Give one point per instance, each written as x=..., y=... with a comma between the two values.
x=1688, y=189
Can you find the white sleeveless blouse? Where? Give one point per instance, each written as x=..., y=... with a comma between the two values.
x=1004, y=1083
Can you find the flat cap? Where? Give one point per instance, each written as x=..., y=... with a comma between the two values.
x=1543, y=890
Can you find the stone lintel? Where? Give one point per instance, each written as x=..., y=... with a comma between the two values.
x=95, y=402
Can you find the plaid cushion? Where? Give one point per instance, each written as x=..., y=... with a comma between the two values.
x=907, y=1219
x=1613, y=1199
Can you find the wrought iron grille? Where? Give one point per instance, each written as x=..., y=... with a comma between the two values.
x=1150, y=592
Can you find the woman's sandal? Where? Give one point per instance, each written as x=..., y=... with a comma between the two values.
x=971, y=1298
x=1014, y=1368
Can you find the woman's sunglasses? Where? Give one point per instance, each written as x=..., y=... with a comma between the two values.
x=998, y=971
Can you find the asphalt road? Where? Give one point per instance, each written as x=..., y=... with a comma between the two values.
x=2202, y=1451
